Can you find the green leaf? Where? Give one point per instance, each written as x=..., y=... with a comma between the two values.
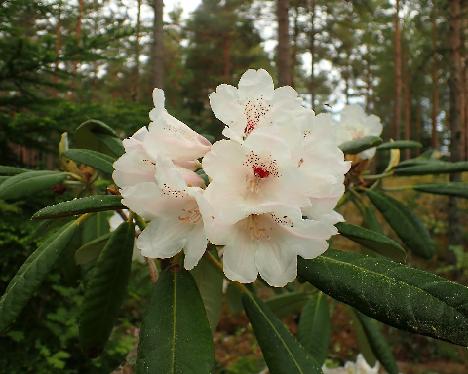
x=379, y=345
x=99, y=137
x=403, y=297
x=362, y=341
x=106, y=290
x=31, y=274
x=282, y=353
x=175, y=336
x=99, y=161
x=356, y=146
x=430, y=167
x=10, y=170
x=373, y=240
x=30, y=182
x=314, y=329
x=210, y=284
x=370, y=219
x=399, y=144
x=458, y=189
x=288, y=303
x=406, y=225
x=90, y=251
x=78, y=206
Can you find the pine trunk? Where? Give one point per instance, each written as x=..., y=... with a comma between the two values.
x=158, y=45
x=455, y=87
x=284, y=54
x=398, y=82
x=435, y=83
x=136, y=80
x=312, y=51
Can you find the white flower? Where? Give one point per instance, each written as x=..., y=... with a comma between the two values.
x=355, y=124
x=267, y=242
x=255, y=104
x=359, y=367
x=172, y=208
x=281, y=163
x=165, y=137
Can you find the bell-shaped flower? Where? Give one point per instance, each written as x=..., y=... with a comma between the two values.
x=361, y=366
x=171, y=138
x=165, y=137
x=355, y=124
x=254, y=104
x=267, y=242
x=259, y=171
x=171, y=207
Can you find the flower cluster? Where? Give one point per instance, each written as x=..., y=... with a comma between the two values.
x=355, y=124
x=274, y=182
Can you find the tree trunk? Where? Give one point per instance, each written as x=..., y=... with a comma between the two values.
x=294, y=47
x=158, y=45
x=464, y=26
x=227, y=58
x=418, y=127
x=58, y=38
x=435, y=83
x=284, y=55
x=407, y=109
x=78, y=30
x=398, y=82
x=312, y=51
x=136, y=77
x=455, y=86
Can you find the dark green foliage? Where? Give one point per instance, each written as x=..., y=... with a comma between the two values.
x=97, y=160
x=458, y=189
x=399, y=144
x=392, y=293
x=281, y=351
x=28, y=183
x=373, y=240
x=406, y=225
x=175, y=336
x=106, y=290
x=73, y=207
x=356, y=146
x=32, y=273
x=314, y=330
x=283, y=305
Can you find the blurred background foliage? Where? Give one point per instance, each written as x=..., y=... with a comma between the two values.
x=63, y=62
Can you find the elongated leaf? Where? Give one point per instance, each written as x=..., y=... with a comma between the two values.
x=175, y=336
x=210, y=284
x=399, y=144
x=356, y=146
x=288, y=303
x=30, y=182
x=314, y=328
x=99, y=161
x=398, y=295
x=99, y=137
x=406, y=225
x=458, y=189
x=281, y=351
x=431, y=167
x=373, y=240
x=362, y=341
x=370, y=219
x=10, y=170
x=106, y=290
x=31, y=274
x=78, y=206
x=88, y=252
x=379, y=345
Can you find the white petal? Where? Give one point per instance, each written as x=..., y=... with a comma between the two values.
x=255, y=83
x=239, y=260
x=225, y=105
x=135, y=141
x=132, y=168
x=276, y=264
x=195, y=247
x=162, y=238
x=224, y=161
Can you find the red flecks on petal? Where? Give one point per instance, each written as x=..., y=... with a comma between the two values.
x=260, y=172
x=249, y=128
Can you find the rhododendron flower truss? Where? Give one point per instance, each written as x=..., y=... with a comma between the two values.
x=356, y=124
